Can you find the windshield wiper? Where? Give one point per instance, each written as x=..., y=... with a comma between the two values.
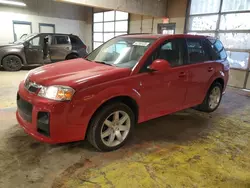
x=86, y=59
x=102, y=62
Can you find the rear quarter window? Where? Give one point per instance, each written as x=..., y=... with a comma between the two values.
x=75, y=40
x=218, y=50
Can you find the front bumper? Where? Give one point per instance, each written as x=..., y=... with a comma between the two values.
x=60, y=129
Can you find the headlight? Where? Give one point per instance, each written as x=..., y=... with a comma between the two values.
x=58, y=93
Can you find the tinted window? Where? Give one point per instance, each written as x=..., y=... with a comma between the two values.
x=218, y=50
x=196, y=51
x=223, y=54
x=209, y=52
x=171, y=50
x=75, y=40
x=61, y=40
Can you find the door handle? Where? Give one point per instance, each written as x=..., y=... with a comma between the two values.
x=182, y=74
x=210, y=69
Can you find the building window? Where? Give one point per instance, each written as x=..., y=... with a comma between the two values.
x=21, y=29
x=108, y=25
x=226, y=20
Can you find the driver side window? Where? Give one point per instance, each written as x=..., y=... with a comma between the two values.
x=172, y=50
x=35, y=42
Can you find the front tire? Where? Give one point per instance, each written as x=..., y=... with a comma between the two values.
x=111, y=127
x=213, y=98
x=12, y=63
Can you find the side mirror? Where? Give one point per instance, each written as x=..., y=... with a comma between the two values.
x=159, y=65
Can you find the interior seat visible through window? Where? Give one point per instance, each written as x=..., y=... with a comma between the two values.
x=173, y=52
x=196, y=51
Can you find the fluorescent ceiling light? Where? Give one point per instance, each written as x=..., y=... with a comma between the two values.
x=17, y=3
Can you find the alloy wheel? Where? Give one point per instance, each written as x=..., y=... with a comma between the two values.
x=214, y=97
x=115, y=128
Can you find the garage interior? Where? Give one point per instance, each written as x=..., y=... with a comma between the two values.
x=184, y=149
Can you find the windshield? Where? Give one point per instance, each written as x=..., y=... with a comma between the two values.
x=24, y=38
x=121, y=52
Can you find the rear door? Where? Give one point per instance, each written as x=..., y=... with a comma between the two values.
x=200, y=69
x=60, y=47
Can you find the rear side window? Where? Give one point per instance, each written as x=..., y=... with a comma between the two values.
x=61, y=39
x=75, y=40
x=197, y=51
x=219, y=52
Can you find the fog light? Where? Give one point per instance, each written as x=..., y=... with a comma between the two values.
x=43, y=123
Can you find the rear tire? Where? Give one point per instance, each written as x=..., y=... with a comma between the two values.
x=212, y=99
x=111, y=127
x=71, y=56
x=12, y=63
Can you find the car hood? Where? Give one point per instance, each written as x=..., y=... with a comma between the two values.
x=76, y=73
x=11, y=45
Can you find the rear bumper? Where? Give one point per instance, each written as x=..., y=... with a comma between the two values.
x=61, y=130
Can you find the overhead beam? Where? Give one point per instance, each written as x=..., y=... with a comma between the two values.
x=156, y=8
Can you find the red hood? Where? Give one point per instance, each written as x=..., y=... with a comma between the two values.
x=76, y=73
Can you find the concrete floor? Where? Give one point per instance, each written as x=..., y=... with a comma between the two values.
x=185, y=149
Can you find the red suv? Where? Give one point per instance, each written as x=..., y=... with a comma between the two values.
x=129, y=79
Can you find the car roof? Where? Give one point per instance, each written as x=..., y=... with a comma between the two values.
x=157, y=36
x=53, y=34
x=142, y=35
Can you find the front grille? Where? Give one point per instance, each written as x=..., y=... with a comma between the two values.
x=31, y=86
x=24, y=109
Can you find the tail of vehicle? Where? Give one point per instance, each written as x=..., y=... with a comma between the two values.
x=78, y=45
x=220, y=55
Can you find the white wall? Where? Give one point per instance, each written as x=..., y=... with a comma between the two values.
x=61, y=25
x=69, y=19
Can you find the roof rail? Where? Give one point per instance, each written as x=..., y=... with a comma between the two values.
x=134, y=34
x=139, y=33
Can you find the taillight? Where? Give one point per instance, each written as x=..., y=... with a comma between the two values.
x=226, y=65
x=84, y=46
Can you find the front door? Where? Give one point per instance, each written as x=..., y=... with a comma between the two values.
x=34, y=51
x=165, y=92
